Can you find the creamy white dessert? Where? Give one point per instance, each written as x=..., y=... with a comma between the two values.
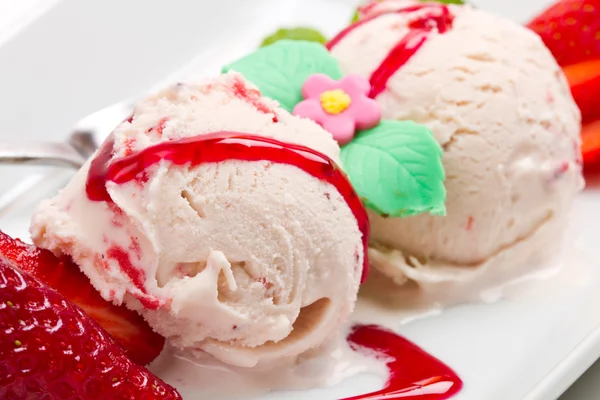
x=250, y=261
x=499, y=105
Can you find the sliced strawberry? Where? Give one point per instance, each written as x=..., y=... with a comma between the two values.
x=584, y=80
x=571, y=30
x=50, y=349
x=141, y=343
x=590, y=142
x=591, y=173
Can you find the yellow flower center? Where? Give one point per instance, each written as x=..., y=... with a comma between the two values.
x=335, y=101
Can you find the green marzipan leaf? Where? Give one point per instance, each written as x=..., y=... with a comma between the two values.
x=396, y=168
x=308, y=34
x=279, y=70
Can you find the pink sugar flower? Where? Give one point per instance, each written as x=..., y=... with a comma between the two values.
x=340, y=107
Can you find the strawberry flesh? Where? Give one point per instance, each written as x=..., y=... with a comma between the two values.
x=50, y=349
x=584, y=81
x=570, y=29
x=127, y=327
x=590, y=143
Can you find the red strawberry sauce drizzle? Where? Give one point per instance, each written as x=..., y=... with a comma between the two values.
x=218, y=147
x=414, y=374
x=438, y=19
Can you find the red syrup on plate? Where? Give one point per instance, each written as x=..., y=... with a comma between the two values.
x=438, y=18
x=218, y=147
x=414, y=374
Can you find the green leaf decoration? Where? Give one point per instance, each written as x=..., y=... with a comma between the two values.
x=308, y=34
x=396, y=168
x=279, y=70
x=355, y=17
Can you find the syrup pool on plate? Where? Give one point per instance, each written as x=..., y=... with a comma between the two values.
x=408, y=371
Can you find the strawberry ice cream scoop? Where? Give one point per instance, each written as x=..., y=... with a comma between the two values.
x=498, y=104
x=221, y=218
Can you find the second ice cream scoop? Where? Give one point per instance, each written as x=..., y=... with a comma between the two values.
x=499, y=105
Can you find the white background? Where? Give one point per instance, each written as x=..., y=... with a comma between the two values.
x=72, y=29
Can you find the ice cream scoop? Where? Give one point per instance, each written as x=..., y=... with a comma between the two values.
x=220, y=217
x=499, y=105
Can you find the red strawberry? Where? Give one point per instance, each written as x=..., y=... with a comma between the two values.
x=50, y=349
x=571, y=30
x=584, y=81
x=590, y=142
x=127, y=327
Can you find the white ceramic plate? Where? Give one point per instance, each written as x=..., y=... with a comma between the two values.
x=81, y=56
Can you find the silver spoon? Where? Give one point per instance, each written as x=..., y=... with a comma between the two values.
x=80, y=145
x=83, y=141
x=58, y=154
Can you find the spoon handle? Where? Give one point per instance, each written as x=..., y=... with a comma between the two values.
x=55, y=154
